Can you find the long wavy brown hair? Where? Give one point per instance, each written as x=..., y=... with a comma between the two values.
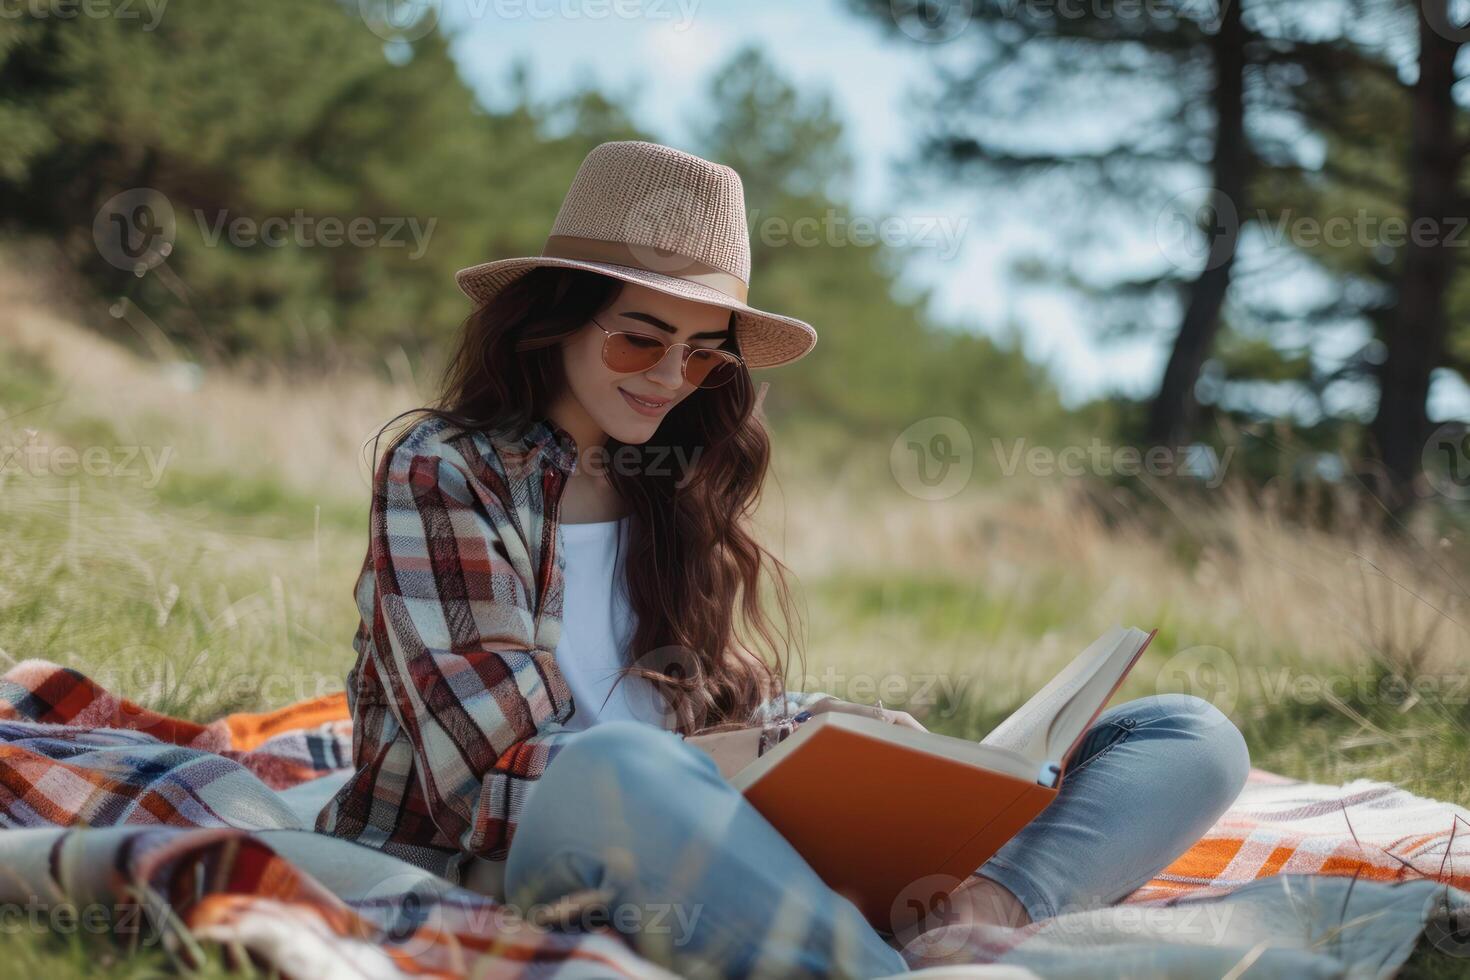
x=693, y=570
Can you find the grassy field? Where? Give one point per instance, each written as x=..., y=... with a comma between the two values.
x=203, y=563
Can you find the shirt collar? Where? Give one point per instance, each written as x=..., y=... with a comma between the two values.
x=555, y=443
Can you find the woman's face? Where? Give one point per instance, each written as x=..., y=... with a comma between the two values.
x=629, y=407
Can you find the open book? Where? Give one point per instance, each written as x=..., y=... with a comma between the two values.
x=887, y=814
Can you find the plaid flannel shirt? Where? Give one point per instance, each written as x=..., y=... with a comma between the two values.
x=457, y=702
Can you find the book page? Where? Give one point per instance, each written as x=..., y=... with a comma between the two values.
x=1028, y=731
x=1040, y=731
x=1074, y=719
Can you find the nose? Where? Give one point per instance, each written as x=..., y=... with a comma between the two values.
x=669, y=371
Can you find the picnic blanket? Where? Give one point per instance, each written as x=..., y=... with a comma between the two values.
x=175, y=833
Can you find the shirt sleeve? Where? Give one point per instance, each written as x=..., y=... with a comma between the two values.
x=482, y=706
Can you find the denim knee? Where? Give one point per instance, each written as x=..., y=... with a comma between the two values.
x=1218, y=752
x=595, y=794
x=618, y=763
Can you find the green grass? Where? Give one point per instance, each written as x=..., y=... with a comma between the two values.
x=75, y=954
x=192, y=612
x=26, y=383
x=1287, y=708
x=225, y=499
x=946, y=608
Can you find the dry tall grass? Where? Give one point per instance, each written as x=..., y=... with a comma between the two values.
x=306, y=434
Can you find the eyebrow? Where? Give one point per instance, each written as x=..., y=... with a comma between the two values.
x=667, y=328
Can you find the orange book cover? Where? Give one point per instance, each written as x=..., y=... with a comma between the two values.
x=892, y=818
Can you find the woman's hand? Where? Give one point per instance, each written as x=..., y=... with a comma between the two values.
x=889, y=715
x=732, y=750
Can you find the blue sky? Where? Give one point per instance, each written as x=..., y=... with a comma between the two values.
x=655, y=56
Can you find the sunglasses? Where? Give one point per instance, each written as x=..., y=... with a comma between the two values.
x=705, y=367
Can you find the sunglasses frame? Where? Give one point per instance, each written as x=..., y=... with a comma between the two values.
x=689, y=350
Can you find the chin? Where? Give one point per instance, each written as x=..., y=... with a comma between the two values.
x=634, y=432
x=626, y=426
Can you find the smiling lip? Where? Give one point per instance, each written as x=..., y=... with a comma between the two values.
x=655, y=406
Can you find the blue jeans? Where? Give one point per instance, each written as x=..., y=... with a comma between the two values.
x=697, y=881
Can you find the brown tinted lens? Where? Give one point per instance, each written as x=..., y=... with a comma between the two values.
x=710, y=368
x=628, y=352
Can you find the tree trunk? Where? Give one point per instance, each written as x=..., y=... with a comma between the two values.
x=1174, y=407
x=1415, y=339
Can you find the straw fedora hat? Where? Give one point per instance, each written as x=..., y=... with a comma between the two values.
x=662, y=218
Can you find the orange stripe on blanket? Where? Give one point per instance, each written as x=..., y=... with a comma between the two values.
x=74, y=701
x=90, y=698
x=1274, y=862
x=1389, y=870
x=1206, y=859
x=249, y=731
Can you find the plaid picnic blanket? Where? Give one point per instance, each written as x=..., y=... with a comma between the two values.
x=176, y=833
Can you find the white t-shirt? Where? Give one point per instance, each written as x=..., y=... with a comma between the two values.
x=597, y=623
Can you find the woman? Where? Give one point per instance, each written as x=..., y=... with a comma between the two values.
x=560, y=570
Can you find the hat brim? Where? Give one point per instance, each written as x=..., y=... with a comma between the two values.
x=765, y=339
